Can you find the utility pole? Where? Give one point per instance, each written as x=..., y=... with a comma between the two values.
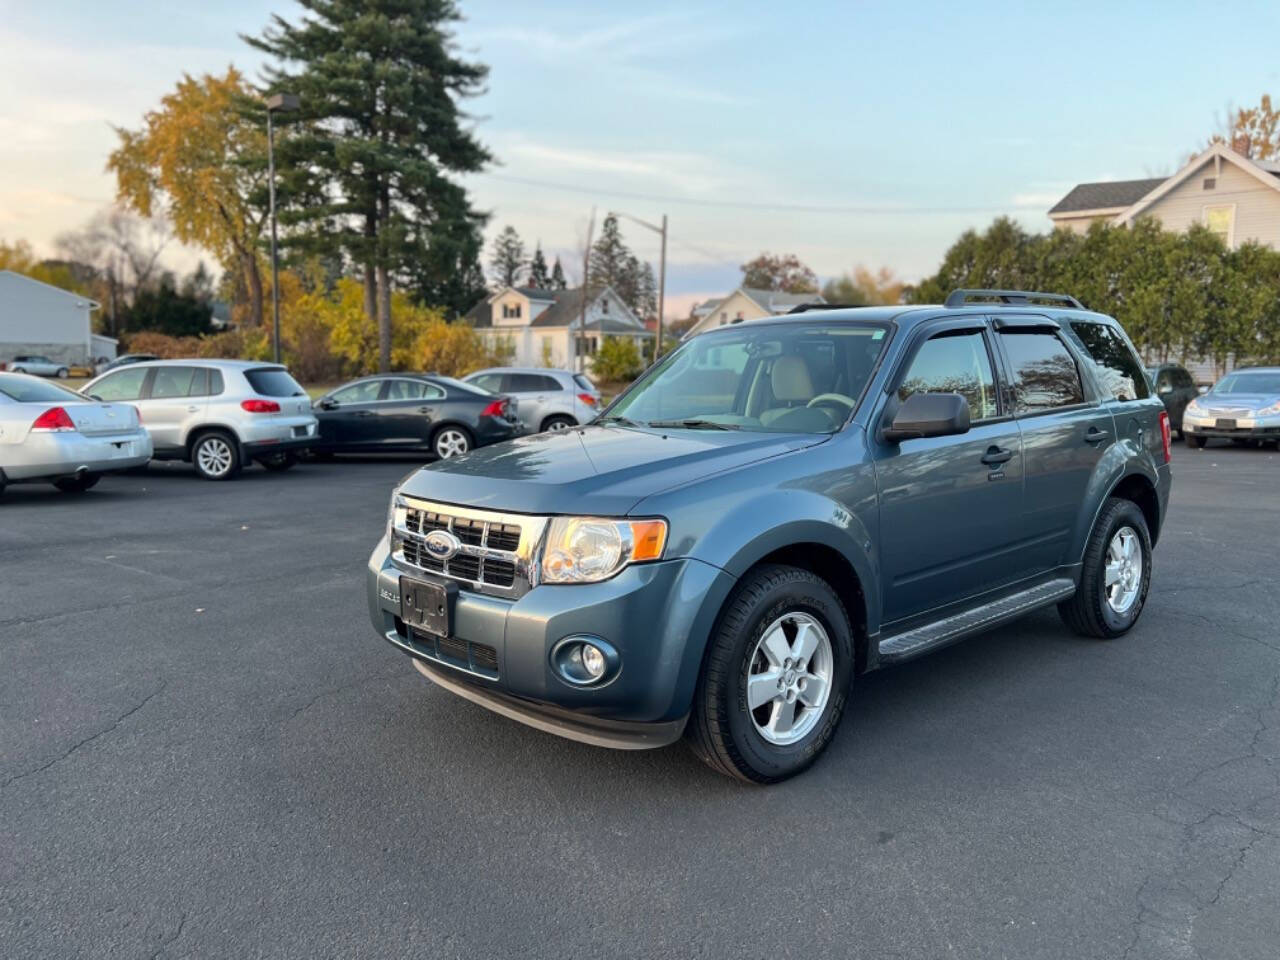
x=662, y=273
x=579, y=364
x=284, y=102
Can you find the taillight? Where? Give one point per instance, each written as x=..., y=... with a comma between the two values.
x=259, y=406
x=1164, y=436
x=588, y=399
x=496, y=409
x=53, y=419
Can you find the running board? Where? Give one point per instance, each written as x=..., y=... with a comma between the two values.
x=920, y=639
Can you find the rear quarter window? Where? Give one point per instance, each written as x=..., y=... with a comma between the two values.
x=273, y=382
x=1119, y=372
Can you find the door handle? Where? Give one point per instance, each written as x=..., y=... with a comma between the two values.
x=996, y=455
x=192, y=409
x=364, y=413
x=424, y=409
x=1094, y=435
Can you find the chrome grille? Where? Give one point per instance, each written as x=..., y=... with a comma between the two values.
x=495, y=549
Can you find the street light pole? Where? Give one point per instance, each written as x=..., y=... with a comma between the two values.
x=284, y=102
x=662, y=273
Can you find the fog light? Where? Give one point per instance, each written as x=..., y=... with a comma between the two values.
x=593, y=660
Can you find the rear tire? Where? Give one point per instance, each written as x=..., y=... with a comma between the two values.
x=216, y=456
x=63, y=373
x=1197, y=443
x=1115, y=576
x=558, y=424
x=77, y=484
x=451, y=441
x=280, y=462
x=782, y=635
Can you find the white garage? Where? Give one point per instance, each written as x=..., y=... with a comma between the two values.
x=38, y=318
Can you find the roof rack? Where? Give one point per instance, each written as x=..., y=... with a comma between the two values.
x=958, y=298
x=806, y=307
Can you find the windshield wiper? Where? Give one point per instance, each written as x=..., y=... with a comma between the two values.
x=695, y=424
x=625, y=421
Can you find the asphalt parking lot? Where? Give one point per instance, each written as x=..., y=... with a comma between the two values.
x=206, y=752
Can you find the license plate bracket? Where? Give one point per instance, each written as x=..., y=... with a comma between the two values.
x=427, y=606
x=1224, y=424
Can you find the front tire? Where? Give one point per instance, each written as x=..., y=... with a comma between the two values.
x=776, y=677
x=558, y=424
x=1197, y=443
x=215, y=456
x=280, y=462
x=1115, y=576
x=451, y=441
x=63, y=373
x=78, y=484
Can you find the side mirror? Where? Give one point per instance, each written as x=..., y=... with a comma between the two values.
x=1202, y=389
x=328, y=403
x=1165, y=389
x=928, y=415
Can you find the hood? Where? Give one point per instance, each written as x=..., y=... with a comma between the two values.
x=597, y=470
x=1238, y=401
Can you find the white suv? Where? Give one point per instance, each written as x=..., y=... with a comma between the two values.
x=217, y=414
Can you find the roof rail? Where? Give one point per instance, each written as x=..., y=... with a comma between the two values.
x=958, y=298
x=806, y=307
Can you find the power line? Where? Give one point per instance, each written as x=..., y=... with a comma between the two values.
x=746, y=204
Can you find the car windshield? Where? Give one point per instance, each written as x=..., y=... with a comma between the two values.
x=273, y=382
x=779, y=377
x=22, y=390
x=1262, y=381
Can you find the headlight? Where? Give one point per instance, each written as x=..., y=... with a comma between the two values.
x=591, y=549
x=1195, y=409
x=391, y=511
x=1270, y=411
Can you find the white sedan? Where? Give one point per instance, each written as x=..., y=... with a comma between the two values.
x=50, y=433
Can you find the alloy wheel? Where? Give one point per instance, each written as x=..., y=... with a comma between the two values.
x=451, y=443
x=1123, y=570
x=790, y=678
x=214, y=456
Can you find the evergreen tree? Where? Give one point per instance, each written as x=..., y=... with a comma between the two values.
x=647, y=293
x=538, y=277
x=609, y=257
x=379, y=130
x=507, y=262
x=558, y=281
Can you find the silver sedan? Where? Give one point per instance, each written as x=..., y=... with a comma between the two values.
x=50, y=433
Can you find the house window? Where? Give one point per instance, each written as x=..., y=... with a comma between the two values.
x=604, y=305
x=511, y=311
x=1210, y=182
x=1221, y=222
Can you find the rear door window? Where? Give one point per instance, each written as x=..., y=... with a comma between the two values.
x=490, y=381
x=1044, y=374
x=1119, y=372
x=273, y=382
x=172, y=382
x=955, y=363
x=125, y=385
x=405, y=390
x=526, y=383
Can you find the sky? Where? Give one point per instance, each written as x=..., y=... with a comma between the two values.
x=844, y=132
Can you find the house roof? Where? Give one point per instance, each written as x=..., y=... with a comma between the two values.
x=83, y=301
x=1264, y=173
x=779, y=301
x=565, y=309
x=1110, y=195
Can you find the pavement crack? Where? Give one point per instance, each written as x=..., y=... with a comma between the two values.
x=332, y=691
x=167, y=941
x=89, y=739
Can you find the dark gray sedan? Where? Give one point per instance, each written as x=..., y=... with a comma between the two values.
x=410, y=413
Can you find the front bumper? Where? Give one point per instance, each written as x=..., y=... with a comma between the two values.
x=52, y=455
x=657, y=616
x=1241, y=428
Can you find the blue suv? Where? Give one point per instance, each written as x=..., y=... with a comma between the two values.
x=776, y=508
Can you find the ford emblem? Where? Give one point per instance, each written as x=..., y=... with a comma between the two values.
x=442, y=544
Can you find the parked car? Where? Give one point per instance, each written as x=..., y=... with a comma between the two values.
x=50, y=433
x=544, y=399
x=778, y=506
x=1244, y=406
x=216, y=414
x=38, y=365
x=1176, y=387
x=124, y=361
x=411, y=413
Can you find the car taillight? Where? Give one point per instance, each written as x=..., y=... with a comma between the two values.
x=259, y=406
x=588, y=399
x=53, y=419
x=1164, y=436
x=496, y=409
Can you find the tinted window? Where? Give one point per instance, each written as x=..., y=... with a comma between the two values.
x=582, y=380
x=365, y=391
x=1044, y=375
x=215, y=382
x=1119, y=372
x=955, y=363
x=172, y=382
x=35, y=391
x=405, y=389
x=273, y=382
x=528, y=383
x=199, y=382
x=125, y=385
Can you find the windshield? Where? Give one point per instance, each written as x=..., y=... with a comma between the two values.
x=23, y=390
x=783, y=378
x=1263, y=381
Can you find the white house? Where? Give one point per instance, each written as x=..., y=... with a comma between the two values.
x=38, y=318
x=747, y=303
x=540, y=325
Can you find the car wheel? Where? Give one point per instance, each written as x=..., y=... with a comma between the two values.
x=558, y=424
x=63, y=373
x=280, y=462
x=1115, y=576
x=16, y=370
x=775, y=678
x=1197, y=443
x=215, y=456
x=451, y=442
x=78, y=484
